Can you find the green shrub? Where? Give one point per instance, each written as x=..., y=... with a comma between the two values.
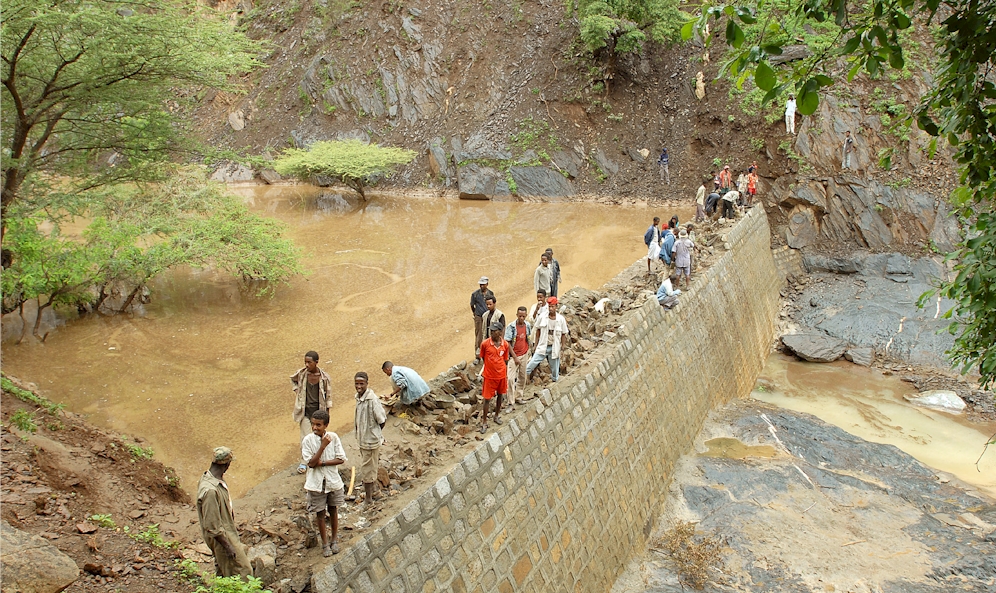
x=103, y=520
x=152, y=537
x=24, y=421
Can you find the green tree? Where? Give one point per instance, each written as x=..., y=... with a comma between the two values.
x=137, y=233
x=91, y=124
x=85, y=84
x=960, y=108
x=354, y=163
x=611, y=27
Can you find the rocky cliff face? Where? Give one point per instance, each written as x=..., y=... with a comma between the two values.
x=501, y=103
x=903, y=208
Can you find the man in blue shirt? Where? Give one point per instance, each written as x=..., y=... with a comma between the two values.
x=662, y=162
x=407, y=383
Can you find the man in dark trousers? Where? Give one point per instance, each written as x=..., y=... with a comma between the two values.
x=663, y=162
x=214, y=512
x=479, y=307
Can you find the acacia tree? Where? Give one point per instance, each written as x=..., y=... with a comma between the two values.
x=91, y=121
x=354, y=163
x=611, y=27
x=960, y=109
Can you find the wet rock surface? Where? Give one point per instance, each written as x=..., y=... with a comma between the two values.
x=869, y=301
x=815, y=347
x=829, y=512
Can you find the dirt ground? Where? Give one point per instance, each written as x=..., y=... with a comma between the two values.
x=57, y=478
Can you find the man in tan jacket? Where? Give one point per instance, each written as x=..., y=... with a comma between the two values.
x=312, y=392
x=214, y=512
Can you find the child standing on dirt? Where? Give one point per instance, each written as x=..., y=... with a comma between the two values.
x=322, y=451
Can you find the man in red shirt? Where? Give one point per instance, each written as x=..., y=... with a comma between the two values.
x=494, y=353
x=517, y=334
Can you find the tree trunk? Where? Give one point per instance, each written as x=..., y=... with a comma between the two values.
x=38, y=316
x=131, y=297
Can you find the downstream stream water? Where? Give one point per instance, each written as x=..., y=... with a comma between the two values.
x=868, y=404
x=203, y=365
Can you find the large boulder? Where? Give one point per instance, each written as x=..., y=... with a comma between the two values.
x=815, y=347
x=33, y=565
x=938, y=399
x=477, y=182
x=232, y=172
x=540, y=182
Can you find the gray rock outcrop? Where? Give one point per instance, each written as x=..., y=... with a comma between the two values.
x=870, y=301
x=33, y=565
x=540, y=182
x=814, y=346
x=232, y=172
x=477, y=182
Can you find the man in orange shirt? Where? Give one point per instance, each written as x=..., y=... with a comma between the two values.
x=494, y=353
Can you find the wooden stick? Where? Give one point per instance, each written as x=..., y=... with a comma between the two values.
x=860, y=541
x=352, y=478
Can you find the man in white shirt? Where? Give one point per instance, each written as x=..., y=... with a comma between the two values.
x=539, y=308
x=790, y=115
x=322, y=451
x=551, y=336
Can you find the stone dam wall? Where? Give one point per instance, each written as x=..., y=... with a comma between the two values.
x=559, y=501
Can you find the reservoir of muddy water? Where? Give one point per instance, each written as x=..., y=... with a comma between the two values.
x=870, y=405
x=204, y=365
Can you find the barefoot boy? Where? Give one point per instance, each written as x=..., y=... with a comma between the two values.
x=368, y=424
x=494, y=353
x=322, y=451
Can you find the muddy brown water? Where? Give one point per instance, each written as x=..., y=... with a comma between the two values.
x=202, y=365
x=868, y=404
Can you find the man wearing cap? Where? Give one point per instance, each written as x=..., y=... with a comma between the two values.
x=551, y=336
x=725, y=179
x=478, y=306
x=214, y=512
x=494, y=353
x=683, y=248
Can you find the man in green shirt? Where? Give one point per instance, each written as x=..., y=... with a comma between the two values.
x=214, y=511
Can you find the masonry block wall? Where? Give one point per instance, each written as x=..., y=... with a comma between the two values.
x=559, y=501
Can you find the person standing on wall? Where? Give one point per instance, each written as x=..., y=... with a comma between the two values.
x=539, y=307
x=555, y=281
x=312, y=392
x=517, y=335
x=322, y=451
x=848, y=149
x=683, y=248
x=662, y=163
x=551, y=335
x=368, y=425
x=479, y=307
x=217, y=520
x=543, y=275
x=790, y=115
x=652, y=238
x=494, y=314
x=494, y=353
x=752, y=180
